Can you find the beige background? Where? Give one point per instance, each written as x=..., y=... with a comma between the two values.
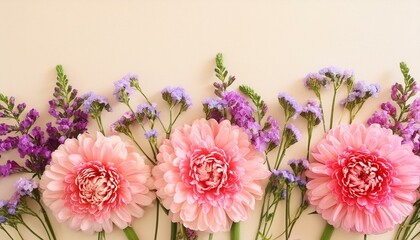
x=269, y=45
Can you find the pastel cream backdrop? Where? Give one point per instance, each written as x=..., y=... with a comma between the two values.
x=269, y=45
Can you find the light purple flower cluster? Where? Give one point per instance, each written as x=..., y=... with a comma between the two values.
x=122, y=124
x=123, y=87
x=336, y=75
x=360, y=93
x=290, y=106
x=240, y=110
x=29, y=120
x=147, y=112
x=214, y=108
x=314, y=81
x=24, y=186
x=298, y=165
x=312, y=112
x=94, y=103
x=176, y=95
x=151, y=134
x=279, y=176
x=292, y=135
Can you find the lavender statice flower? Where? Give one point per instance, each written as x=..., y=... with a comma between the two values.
x=94, y=103
x=269, y=137
x=25, y=186
x=2, y=219
x=122, y=124
x=147, y=112
x=298, y=165
x=285, y=175
x=290, y=107
x=123, y=88
x=13, y=203
x=312, y=112
x=151, y=134
x=214, y=108
x=337, y=76
x=176, y=95
x=292, y=135
x=314, y=81
x=9, y=168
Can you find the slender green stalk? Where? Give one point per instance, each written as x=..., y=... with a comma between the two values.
x=327, y=233
x=365, y=237
x=100, y=125
x=20, y=235
x=210, y=236
x=287, y=215
x=333, y=107
x=43, y=225
x=262, y=211
x=44, y=213
x=101, y=235
x=310, y=129
x=235, y=231
x=34, y=233
x=157, y=219
x=130, y=233
x=8, y=234
x=322, y=109
x=174, y=230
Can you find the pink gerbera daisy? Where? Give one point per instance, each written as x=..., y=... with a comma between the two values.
x=95, y=183
x=209, y=175
x=363, y=179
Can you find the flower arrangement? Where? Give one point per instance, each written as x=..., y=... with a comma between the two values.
x=208, y=175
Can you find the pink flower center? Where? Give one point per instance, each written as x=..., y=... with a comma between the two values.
x=208, y=170
x=363, y=178
x=93, y=188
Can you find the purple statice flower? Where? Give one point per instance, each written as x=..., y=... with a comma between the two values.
x=336, y=75
x=415, y=110
x=298, y=165
x=292, y=135
x=301, y=182
x=9, y=168
x=2, y=219
x=312, y=112
x=8, y=144
x=151, y=134
x=123, y=88
x=286, y=175
x=176, y=95
x=269, y=137
x=214, y=108
x=29, y=120
x=239, y=109
x=389, y=108
x=3, y=203
x=12, y=203
x=380, y=118
x=290, y=106
x=314, y=81
x=25, y=186
x=122, y=124
x=409, y=132
x=4, y=129
x=146, y=112
x=94, y=103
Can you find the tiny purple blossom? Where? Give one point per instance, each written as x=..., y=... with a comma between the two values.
x=288, y=176
x=151, y=134
x=380, y=118
x=214, y=103
x=298, y=165
x=123, y=87
x=91, y=99
x=290, y=106
x=25, y=186
x=176, y=95
x=415, y=110
x=312, y=112
x=4, y=129
x=294, y=131
x=314, y=81
x=389, y=108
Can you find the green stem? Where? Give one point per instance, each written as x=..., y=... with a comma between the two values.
x=365, y=237
x=157, y=219
x=20, y=235
x=322, y=110
x=287, y=215
x=101, y=235
x=310, y=129
x=8, y=234
x=100, y=126
x=327, y=233
x=34, y=233
x=130, y=233
x=174, y=230
x=44, y=213
x=332, y=108
x=210, y=236
x=235, y=231
x=262, y=211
